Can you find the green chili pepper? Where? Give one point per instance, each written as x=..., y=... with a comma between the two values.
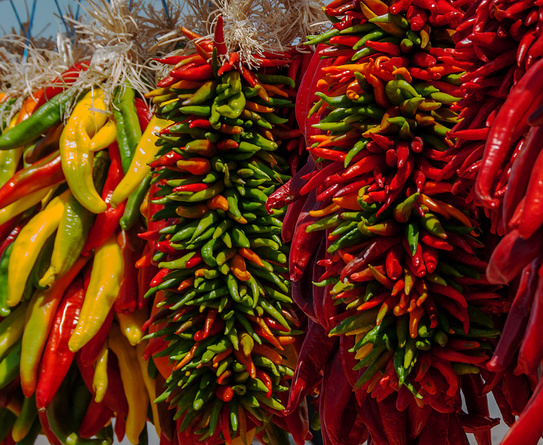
x=49, y=114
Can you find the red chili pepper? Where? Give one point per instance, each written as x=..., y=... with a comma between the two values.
x=196, y=187
x=96, y=417
x=200, y=71
x=303, y=243
x=367, y=164
x=393, y=262
x=210, y=318
x=57, y=357
x=44, y=173
x=66, y=79
x=172, y=60
x=527, y=429
x=511, y=255
x=167, y=159
x=531, y=350
x=374, y=251
x=313, y=356
x=509, y=123
x=131, y=246
x=435, y=242
x=143, y=112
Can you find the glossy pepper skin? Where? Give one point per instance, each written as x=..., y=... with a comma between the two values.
x=76, y=156
x=41, y=313
x=44, y=173
x=28, y=244
x=49, y=114
x=100, y=296
x=133, y=384
x=144, y=154
x=57, y=358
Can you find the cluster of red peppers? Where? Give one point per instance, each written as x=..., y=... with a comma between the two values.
x=72, y=299
x=224, y=324
x=393, y=255
x=499, y=45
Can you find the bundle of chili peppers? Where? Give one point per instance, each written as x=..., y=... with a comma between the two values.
x=70, y=289
x=396, y=260
x=498, y=44
x=224, y=319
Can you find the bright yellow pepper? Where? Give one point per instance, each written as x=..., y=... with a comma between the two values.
x=139, y=167
x=131, y=325
x=104, y=137
x=22, y=204
x=133, y=384
x=29, y=243
x=100, y=380
x=150, y=384
x=104, y=284
x=76, y=154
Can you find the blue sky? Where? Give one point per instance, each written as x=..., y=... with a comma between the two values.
x=44, y=16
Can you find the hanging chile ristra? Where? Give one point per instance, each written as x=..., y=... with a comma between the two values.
x=497, y=164
x=224, y=316
x=395, y=258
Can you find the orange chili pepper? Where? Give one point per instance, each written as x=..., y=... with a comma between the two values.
x=239, y=268
x=245, y=361
x=252, y=106
x=250, y=255
x=218, y=202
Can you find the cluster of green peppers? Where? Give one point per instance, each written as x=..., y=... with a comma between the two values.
x=226, y=318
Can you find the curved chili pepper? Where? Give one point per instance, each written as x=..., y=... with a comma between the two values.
x=315, y=352
x=57, y=358
x=510, y=121
x=44, y=173
x=511, y=255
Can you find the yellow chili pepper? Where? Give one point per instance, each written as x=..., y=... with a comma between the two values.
x=139, y=166
x=133, y=384
x=29, y=243
x=131, y=325
x=88, y=116
x=150, y=384
x=11, y=329
x=105, y=281
x=22, y=204
x=325, y=211
x=100, y=380
x=104, y=137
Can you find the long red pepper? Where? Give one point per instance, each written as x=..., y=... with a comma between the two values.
x=511, y=119
x=315, y=352
x=57, y=357
x=131, y=246
x=528, y=428
x=44, y=173
x=531, y=349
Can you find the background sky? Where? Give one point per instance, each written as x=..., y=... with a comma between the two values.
x=46, y=17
